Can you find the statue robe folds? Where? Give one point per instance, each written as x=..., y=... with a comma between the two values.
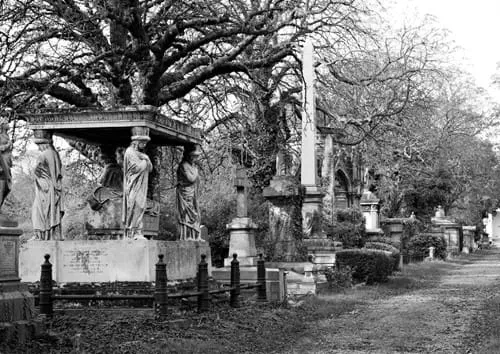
x=187, y=201
x=136, y=167
x=47, y=208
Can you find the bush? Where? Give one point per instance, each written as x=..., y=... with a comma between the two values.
x=348, y=228
x=418, y=246
x=367, y=265
x=395, y=254
x=339, y=278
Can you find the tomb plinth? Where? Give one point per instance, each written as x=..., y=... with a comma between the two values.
x=370, y=208
x=284, y=194
x=241, y=229
x=17, y=306
x=103, y=261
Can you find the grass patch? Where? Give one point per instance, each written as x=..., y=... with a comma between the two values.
x=485, y=336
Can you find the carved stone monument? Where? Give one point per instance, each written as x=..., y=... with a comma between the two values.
x=450, y=230
x=47, y=209
x=318, y=245
x=284, y=194
x=188, y=210
x=241, y=229
x=136, y=169
x=107, y=252
x=370, y=207
x=17, y=306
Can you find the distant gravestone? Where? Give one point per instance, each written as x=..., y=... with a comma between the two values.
x=241, y=228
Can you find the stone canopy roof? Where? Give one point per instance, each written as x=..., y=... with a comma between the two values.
x=114, y=126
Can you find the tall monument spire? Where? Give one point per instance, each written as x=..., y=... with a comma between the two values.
x=308, y=176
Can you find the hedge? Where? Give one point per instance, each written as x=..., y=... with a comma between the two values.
x=394, y=252
x=419, y=245
x=367, y=265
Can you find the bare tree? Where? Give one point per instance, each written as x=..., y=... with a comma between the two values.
x=95, y=53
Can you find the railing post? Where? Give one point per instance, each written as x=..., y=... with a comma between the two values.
x=161, y=288
x=234, y=299
x=261, y=279
x=203, y=298
x=45, y=296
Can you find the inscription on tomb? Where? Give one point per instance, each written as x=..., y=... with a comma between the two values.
x=8, y=258
x=90, y=261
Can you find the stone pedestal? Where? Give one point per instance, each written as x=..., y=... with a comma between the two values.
x=98, y=261
x=318, y=245
x=17, y=306
x=284, y=195
x=370, y=207
x=242, y=242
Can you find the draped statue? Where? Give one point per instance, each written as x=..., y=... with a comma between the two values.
x=5, y=162
x=47, y=209
x=136, y=169
x=188, y=213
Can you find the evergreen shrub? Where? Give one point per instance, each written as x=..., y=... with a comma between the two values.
x=339, y=278
x=418, y=246
x=368, y=265
x=395, y=254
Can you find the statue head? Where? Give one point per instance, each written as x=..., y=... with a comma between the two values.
x=192, y=152
x=42, y=137
x=140, y=137
x=4, y=125
x=119, y=155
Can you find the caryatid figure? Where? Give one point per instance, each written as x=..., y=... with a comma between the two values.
x=188, y=211
x=136, y=169
x=47, y=209
x=5, y=161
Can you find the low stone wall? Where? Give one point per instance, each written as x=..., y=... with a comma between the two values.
x=98, y=261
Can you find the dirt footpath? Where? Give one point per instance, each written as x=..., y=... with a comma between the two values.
x=456, y=315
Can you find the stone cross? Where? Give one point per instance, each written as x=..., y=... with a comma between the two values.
x=241, y=184
x=308, y=176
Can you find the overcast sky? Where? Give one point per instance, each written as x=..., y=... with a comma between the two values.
x=474, y=25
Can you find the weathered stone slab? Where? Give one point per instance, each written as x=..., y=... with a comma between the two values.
x=97, y=261
x=9, y=244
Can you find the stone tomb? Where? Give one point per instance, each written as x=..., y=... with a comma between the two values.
x=111, y=254
x=450, y=230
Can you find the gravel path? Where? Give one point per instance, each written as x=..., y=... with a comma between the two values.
x=461, y=314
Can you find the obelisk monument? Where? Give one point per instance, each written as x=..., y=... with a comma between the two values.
x=318, y=245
